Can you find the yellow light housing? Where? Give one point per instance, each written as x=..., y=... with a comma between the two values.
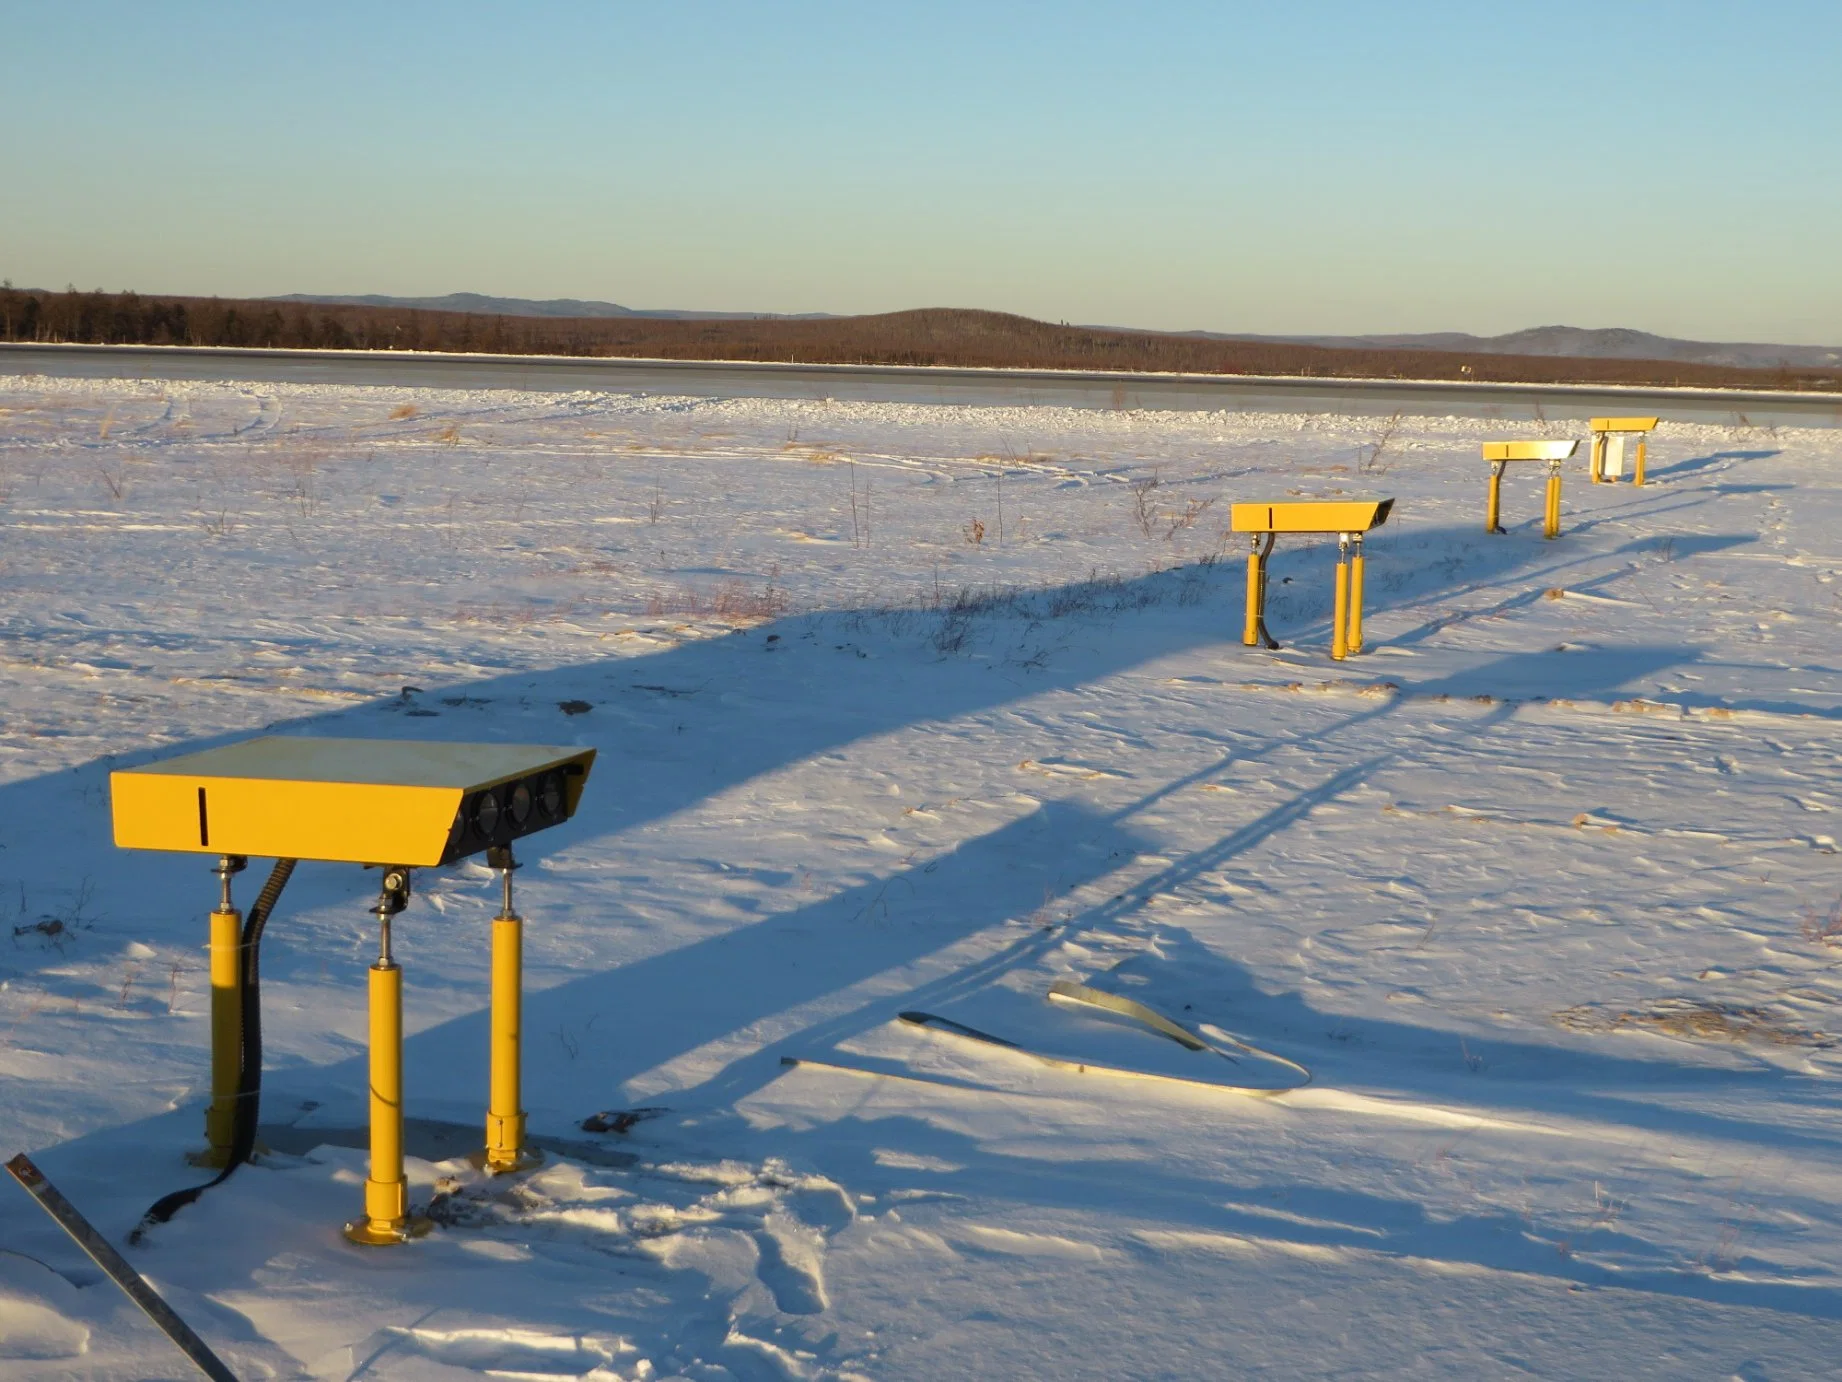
x=1311, y=516
x=1623, y=424
x=1529, y=450
x=366, y=801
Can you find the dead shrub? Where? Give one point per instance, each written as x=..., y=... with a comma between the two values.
x=1369, y=457
x=1154, y=521
x=1821, y=927
x=1144, y=506
x=1192, y=510
x=1694, y=1019
x=735, y=601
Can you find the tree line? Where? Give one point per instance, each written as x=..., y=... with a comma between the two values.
x=928, y=336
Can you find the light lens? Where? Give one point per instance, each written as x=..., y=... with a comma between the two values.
x=551, y=798
x=521, y=804
x=486, y=814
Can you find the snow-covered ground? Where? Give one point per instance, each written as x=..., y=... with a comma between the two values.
x=926, y=708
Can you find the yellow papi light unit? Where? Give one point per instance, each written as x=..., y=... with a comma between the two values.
x=393, y=803
x=1501, y=453
x=1607, y=462
x=1311, y=516
x=363, y=801
x=1349, y=519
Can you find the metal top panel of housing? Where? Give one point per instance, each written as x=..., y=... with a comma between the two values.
x=1311, y=516
x=359, y=800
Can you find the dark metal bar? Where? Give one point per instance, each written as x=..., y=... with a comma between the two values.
x=103, y=1253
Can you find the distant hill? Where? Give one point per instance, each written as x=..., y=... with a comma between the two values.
x=535, y=307
x=1569, y=342
x=952, y=337
x=1581, y=343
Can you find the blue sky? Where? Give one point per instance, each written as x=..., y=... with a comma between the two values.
x=1327, y=167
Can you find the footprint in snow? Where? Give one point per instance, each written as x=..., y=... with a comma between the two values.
x=789, y=1267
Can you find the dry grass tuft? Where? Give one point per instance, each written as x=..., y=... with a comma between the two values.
x=734, y=601
x=1823, y=928
x=1369, y=457
x=1154, y=521
x=299, y=466
x=403, y=412
x=1694, y=1019
x=1144, y=506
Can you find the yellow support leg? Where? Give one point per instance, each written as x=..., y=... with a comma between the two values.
x=387, y=1218
x=1493, y=508
x=1256, y=579
x=1340, y=605
x=1553, y=526
x=226, y=1036
x=1637, y=475
x=226, y=1020
x=505, y=1149
x=1595, y=467
x=1254, y=634
x=1355, y=614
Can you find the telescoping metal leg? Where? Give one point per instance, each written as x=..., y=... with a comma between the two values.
x=1340, y=604
x=1255, y=635
x=1553, y=526
x=1637, y=474
x=1493, y=508
x=226, y=1019
x=505, y=1149
x=387, y=1218
x=1354, y=638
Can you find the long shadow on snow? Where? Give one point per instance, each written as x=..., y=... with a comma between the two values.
x=1591, y=1074
x=1405, y=563
x=1693, y=465
x=678, y=726
x=733, y=984
x=764, y=968
x=1001, y=878
x=1555, y=564
x=984, y=884
x=1418, y=1062
x=963, y=1168
x=1394, y=1059
x=772, y=707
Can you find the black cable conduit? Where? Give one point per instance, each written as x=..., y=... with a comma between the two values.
x=249, y=1055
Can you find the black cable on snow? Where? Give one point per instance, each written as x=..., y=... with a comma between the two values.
x=249, y=1055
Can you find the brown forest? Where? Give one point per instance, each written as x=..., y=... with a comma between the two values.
x=928, y=336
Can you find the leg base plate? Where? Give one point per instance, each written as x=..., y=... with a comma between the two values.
x=528, y=1159
x=368, y=1233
